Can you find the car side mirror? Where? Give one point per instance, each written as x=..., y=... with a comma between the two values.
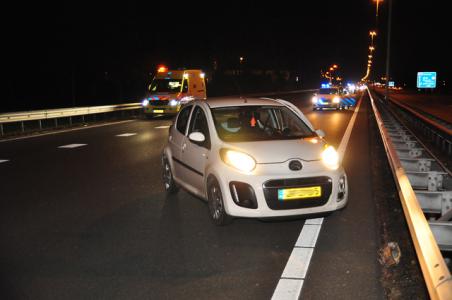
x=320, y=133
x=197, y=137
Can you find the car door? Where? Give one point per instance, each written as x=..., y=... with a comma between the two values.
x=177, y=138
x=194, y=155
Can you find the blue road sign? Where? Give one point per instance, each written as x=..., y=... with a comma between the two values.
x=426, y=80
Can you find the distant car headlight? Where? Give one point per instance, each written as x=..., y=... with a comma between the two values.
x=145, y=102
x=314, y=100
x=336, y=99
x=238, y=160
x=173, y=102
x=330, y=158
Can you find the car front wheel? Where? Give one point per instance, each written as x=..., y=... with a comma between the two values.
x=167, y=176
x=216, y=205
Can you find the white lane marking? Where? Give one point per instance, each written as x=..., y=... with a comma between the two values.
x=297, y=265
x=3, y=160
x=288, y=289
x=293, y=276
x=126, y=134
x=308, y=235
x=317, y=221
x=71, y=146
x=161, y=127
x=63, y=131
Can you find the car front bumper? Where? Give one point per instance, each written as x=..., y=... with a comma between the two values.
x=267, y=202
x=161, y=109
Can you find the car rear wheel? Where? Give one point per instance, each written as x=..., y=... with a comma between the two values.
x=216, y=205
x=167, y=175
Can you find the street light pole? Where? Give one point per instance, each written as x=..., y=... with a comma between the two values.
x=388, y=48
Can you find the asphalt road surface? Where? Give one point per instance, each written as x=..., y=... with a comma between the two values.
x=92, y=221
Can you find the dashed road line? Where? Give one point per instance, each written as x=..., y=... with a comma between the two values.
x=71, y=146
x=292, y=279
x=162, y=127
x=3, y=160
x=126, y=134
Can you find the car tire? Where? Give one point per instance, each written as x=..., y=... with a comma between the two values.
x=167, y=176
x=215, y=203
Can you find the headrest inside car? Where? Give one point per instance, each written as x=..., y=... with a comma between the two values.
x=234, y=123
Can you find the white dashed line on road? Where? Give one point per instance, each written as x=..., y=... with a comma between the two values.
x=161, y=127
x=292, y=279
x=70, y=146
x=3, y=160
x=126, y=134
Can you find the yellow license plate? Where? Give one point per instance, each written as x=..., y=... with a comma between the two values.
x=299, y=193
x=158, y=111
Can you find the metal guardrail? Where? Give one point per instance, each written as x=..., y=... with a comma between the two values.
x=39, y=115
x=437, y=130
x=415, y=175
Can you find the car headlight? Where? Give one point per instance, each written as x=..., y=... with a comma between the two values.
x=336, y=99
x=330, y=158
x=314, y=100
x=145, y=102
x=239, y=160
x=173, y=102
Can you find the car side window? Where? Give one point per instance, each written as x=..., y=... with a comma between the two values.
x=199, y=123
x=182, y=119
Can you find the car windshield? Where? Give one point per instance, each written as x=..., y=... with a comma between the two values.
x=165, y=86
x=258, y=123
x=328, y=91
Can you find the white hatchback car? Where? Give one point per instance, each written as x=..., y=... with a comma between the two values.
x=252, y=158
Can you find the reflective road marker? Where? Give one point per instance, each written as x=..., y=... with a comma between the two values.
x=294, y=274
x=70, y=146
x=126, y=134
x=3, y=160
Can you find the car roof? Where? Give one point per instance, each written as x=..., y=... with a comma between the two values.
x=237, y=101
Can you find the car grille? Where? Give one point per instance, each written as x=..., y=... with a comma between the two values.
x=271, y=192
x=159, y=102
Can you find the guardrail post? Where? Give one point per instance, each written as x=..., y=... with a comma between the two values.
x=83, y=119
x=70, y=121
x=40, y=124
x=22, y=126
x=1, y=129
x=56, y=122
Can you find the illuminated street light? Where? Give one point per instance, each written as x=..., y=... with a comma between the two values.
x=370, y=56
x=372, y=34
x=335, y=66
x=371, y=48
x=241, y=59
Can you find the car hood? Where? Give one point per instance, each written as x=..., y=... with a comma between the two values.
x=280, y=150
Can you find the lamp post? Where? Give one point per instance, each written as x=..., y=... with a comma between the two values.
x=388, y=48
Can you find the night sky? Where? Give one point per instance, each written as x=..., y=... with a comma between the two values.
x=108, y=51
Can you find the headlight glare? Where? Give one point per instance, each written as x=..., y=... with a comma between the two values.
x=330, y=158
x=336, y=99
x=238, y=160
x=173, y=102
x=314, y=100
x=145, y=102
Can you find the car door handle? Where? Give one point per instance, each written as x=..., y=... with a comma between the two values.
x=184, y=146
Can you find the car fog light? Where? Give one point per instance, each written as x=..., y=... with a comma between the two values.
x=145, y=102
x=330, y=158
x=314, y=100
x=239, y=160
x=173, y=102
